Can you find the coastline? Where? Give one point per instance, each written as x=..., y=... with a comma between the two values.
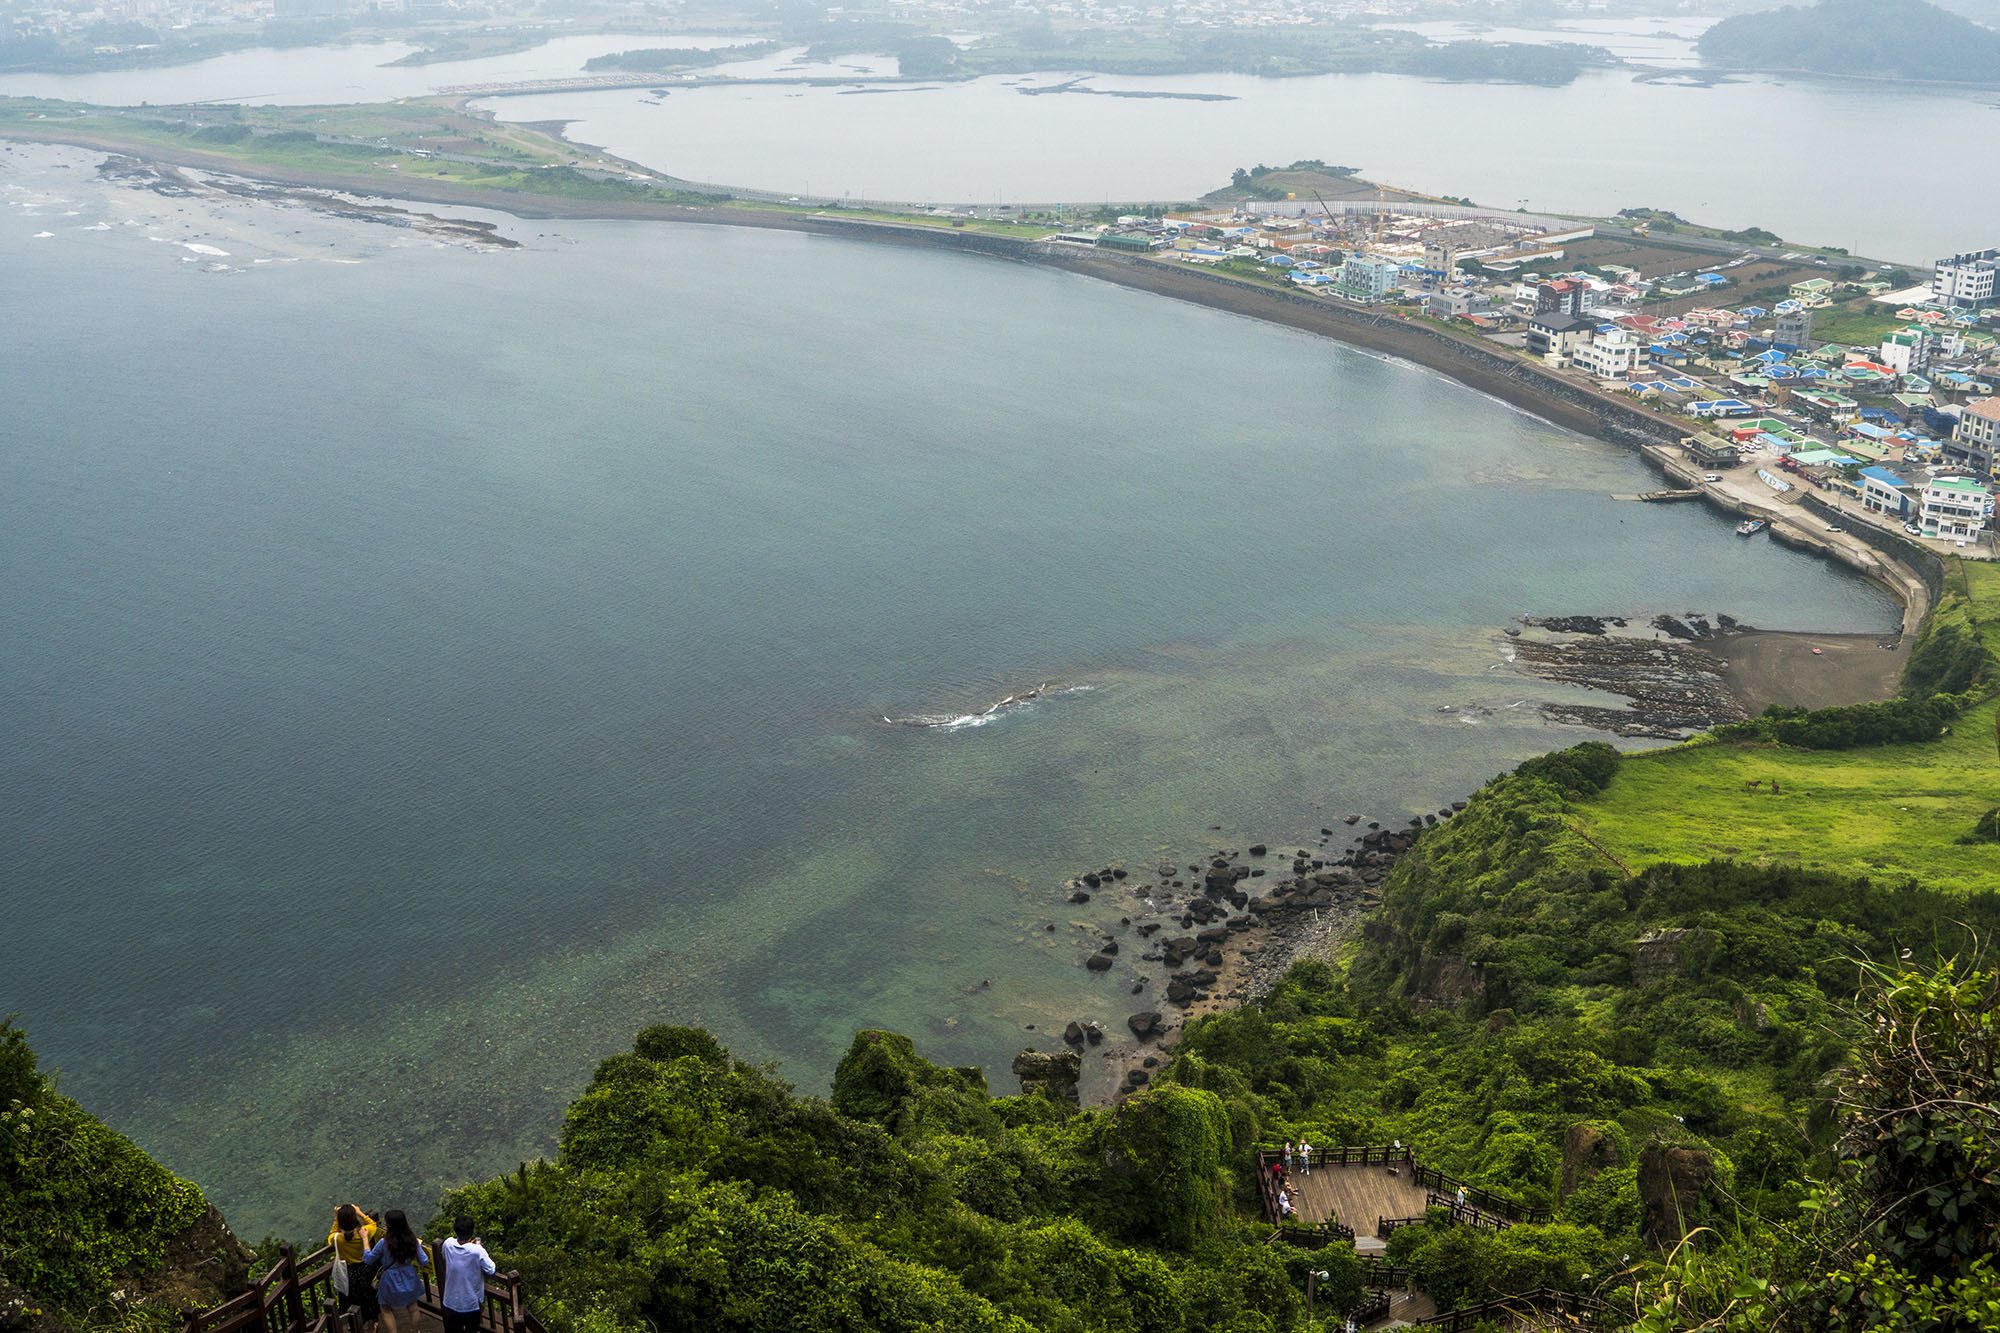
x=1253, y=957
x=1511, y=380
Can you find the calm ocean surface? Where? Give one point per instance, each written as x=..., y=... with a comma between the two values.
x=418, y=673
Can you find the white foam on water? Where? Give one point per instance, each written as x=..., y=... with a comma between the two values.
x=197, y=247
x=96, y=226
x=43, y=235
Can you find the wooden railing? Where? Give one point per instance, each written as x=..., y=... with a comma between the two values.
x=1373, y=1305
x=1379, y=1272
x=1537, y=1305
x=1483, y=1199
x=297, y=1296
x=1386, y=1226
x=1314, y=1238
x=1466, y=1213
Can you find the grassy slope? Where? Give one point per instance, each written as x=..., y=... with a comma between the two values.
x=1892, y=811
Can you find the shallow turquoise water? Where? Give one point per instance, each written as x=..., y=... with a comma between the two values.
x=419, y=674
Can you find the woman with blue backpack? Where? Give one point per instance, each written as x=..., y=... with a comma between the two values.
x=401, y=1264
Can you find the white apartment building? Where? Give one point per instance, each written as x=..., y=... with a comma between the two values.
x=1954, y=507
x=1611, y=355
x=1966, y=280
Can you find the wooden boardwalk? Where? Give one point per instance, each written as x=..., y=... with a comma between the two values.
x=1357, y=1196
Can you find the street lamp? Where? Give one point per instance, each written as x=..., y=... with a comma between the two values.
x=1314, y=1276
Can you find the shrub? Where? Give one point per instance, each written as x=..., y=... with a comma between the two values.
x=1581, y=770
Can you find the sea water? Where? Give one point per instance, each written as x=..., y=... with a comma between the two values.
x=421, y=670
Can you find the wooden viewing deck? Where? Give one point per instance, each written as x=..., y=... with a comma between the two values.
x=297, y=1296
x=1362, y=1193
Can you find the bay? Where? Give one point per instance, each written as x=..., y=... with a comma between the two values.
x=422, y=667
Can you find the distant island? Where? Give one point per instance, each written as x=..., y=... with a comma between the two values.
x=1908, y=39
x=657, y=59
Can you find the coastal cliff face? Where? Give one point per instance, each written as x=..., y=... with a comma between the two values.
x=97, y=1233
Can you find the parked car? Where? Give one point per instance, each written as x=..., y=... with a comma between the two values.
x=1711, y=476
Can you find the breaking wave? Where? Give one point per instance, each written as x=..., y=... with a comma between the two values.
x=993, y=712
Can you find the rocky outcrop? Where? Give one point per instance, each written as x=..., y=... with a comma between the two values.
x=1446, y=981
x=1672, y=1181
x=1662, y=954
x=1051, y=1074
x=1587, y=1149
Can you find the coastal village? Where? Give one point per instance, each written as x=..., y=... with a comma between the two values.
x=1794, y=372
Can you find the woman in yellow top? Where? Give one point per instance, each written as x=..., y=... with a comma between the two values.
x=353, y=1232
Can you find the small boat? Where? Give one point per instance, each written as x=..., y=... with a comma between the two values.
x=1750, y=527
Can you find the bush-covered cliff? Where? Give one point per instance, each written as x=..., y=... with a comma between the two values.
x=93, y=1232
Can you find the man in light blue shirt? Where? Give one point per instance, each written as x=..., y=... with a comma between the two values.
x=466, y=1268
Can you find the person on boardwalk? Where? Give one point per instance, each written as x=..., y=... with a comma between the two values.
x=403, y=1262
x=466, y=1266
x=353, y=1232
x=1291, y=1155
x=1305, y=1158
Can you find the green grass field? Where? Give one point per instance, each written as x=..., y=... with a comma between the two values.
x=1856, y=323
x=1887, y=812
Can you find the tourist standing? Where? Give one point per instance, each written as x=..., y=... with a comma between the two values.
x=1291, y=1150
x=1305, y=1158
x=466, y=1266
x=353, y=1232
x=402, y=1261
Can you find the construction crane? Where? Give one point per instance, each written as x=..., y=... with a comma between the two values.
x=1328, y=211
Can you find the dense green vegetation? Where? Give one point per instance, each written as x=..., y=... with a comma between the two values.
x=84, y=1213
x=1524, y=1014
x=1886, y=38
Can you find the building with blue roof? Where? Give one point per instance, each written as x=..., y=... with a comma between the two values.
x=1884, y=492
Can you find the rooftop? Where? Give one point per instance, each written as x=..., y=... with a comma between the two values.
x=1987, y=409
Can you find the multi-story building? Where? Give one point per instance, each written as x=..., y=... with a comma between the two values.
x=1883, y=492
x=1954, y=507
x=1966, y=281
x=1563, y=296
x=1794, y=328
x=1976, y=440
x=1906, y=351
x=1555, y=338
x=1613, y=354
x=1368, y=278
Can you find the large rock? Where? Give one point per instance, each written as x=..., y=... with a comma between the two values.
x=1446, y=981
x=1051, y=1074
x=1672, y=1181
x=1144, y=1024
x=1663, y=953
x=1587, y=1149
